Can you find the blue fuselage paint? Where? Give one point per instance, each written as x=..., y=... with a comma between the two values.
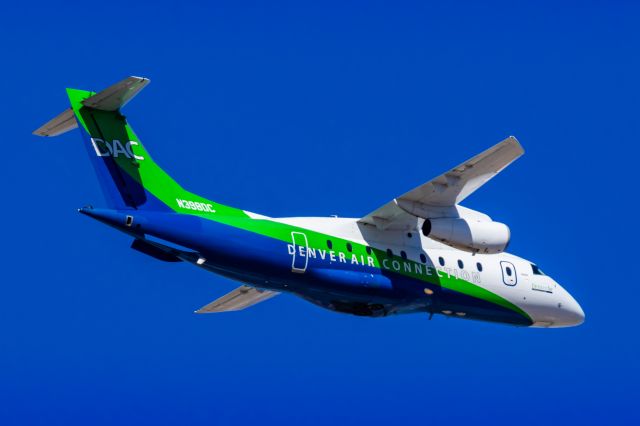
x=266, y=262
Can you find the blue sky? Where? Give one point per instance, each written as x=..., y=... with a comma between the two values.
x=292, y=109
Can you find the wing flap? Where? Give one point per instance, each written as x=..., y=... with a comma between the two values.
x=240, y=298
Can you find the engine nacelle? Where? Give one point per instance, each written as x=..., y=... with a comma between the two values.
x=468, y=235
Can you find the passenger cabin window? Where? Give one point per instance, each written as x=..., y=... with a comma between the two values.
x=389, y=253
x=403, y=254
x=479, y=266
x=349, y=247
x=368, y=250
x=441, y=261
x=329, y=244
x=460, y=264
x=423, y=258
x=536, y=270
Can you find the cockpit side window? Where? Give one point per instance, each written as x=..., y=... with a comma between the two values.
x=536, y=270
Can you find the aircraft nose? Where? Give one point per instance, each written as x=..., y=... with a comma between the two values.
x=571, y=313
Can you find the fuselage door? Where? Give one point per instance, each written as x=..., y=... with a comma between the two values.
x=300, y=256
x=509, y=276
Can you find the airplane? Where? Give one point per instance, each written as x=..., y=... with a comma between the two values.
x=421, y=252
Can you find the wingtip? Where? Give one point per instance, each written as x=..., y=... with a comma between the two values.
x=516, y=142
x=144, y=80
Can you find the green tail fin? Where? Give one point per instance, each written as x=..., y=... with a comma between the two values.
x=130, y=179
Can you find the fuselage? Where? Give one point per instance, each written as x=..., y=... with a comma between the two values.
x=345, y=266
x=387, y=262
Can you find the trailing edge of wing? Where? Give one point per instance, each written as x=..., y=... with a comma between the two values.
x=240, y=298
x=448, y=189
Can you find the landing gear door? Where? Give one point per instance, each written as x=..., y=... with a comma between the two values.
x=300, y=255
x=509, y=276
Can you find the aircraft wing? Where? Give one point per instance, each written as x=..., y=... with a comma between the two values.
x=240, y=298
x=434, y=198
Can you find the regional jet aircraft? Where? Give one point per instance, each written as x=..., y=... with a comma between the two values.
x=421, y=252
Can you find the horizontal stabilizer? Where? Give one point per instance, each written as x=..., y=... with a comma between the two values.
x=62, y=123
x=240, y=298
x=110, y=99
x=115, y=97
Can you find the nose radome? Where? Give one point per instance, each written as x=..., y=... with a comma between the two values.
x=571, y=312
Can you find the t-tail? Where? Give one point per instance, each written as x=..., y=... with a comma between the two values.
x=128, y=176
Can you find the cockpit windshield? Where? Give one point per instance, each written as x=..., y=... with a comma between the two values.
x=536, y=270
